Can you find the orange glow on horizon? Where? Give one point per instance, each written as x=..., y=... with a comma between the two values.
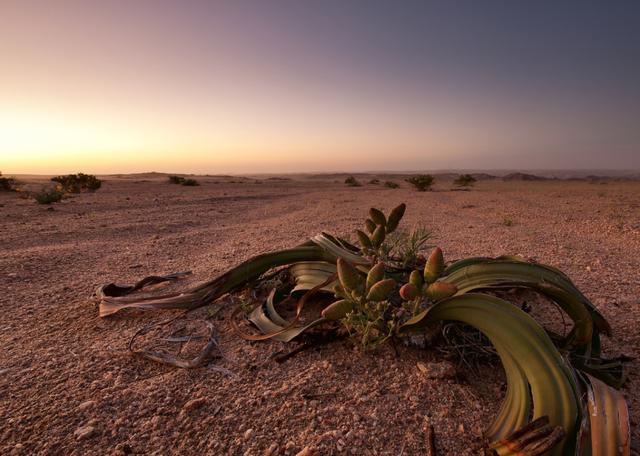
x=209, y=87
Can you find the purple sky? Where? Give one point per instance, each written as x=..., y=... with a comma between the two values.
x=275, y=86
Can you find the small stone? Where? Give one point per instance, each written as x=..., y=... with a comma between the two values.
x=439, y=371
x=84, y=432
x=123, y=449
x=306, y=451
x=193, y=404
x=248, y=433
x=86, y=405
x=271, y=450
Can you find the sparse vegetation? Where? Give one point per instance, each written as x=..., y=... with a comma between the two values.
x=374, y=181
x=409, y=245
x=276, y=178
x=465, y=180
x=48, y=196
x=178, y=180
x=422, y=182
x=352, y=182
x=378, y=295
x=71, y=183
x=507, y=221
x=7, y=183
x=76, y=183
x=391, y=184
x=190, y=183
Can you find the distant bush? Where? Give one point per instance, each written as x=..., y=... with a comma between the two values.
x=183, y=181
x=352, y=182
x=465, y=180
x=76, y=183
x=7, y=184
x=422, y=182
x=391, y=184
x=176, y=180
x=48, y=196
x=374, y=182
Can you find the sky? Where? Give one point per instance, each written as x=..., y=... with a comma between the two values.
x=292, y=86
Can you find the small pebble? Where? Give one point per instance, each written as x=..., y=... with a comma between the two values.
x=193, y=404
x=86, y=405
x=306, y=451
x=84, y=432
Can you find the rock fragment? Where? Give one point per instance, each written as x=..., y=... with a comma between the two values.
x=84, y=432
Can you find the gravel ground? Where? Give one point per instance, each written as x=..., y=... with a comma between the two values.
x=68, y=385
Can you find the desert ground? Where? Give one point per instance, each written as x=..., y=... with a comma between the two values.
x=69, y=385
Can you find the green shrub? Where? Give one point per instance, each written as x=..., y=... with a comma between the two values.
x=352, y=182
x=176, y=180
x=76, y=183
x=391, y=184
x=422, y=182
x=183, y=181
x=48, y=196
x=465, y=180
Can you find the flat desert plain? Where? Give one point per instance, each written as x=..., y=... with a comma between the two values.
x=68, y=384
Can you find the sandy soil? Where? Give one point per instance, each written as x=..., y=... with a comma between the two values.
x=68, y=385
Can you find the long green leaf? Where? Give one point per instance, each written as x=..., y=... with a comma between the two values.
x=478, y=274
x=330, y=244
x=609, y=429
x=112, y=298
x=512, y=331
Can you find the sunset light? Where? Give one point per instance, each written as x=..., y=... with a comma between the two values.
x=319, y=227
x=246, y=87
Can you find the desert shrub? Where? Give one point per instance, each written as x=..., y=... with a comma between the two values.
x=183, y=181
x=48, y=196
x=190, y=183
x=422, y=182
x=76, y=183
x=465, y=180
x=391, y=184
x=374, y=181
x=7, y=184
x=176, y=180
x=352, y=182
x=507, y=221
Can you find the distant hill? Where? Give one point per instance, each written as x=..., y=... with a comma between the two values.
x=522, y=177
x=483, y=176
